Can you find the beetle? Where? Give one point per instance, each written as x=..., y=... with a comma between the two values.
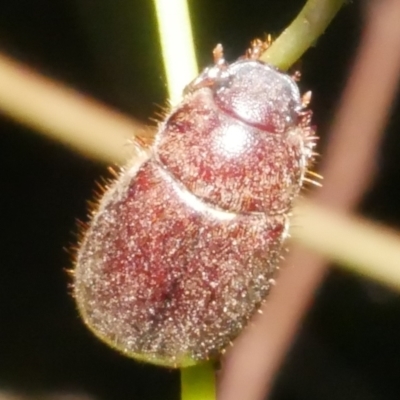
x=184, y=245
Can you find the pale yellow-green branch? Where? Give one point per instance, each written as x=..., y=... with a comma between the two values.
x=65, y=115
x=359, y=245
x=177, y=45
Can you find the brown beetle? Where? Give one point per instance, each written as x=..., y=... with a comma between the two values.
x=184, y=245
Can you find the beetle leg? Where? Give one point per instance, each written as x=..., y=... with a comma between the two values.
x=305, y=117
x=296, y=76
x=306, y=99
x=218, y=54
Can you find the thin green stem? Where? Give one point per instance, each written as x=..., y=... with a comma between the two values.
x=302, y=32
x=198, y=382
x=177, y=45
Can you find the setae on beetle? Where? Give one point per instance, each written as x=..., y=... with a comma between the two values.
x=183, y=246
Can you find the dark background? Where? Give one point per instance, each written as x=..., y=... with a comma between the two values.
x=348, y=347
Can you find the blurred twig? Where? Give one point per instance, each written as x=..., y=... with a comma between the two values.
x=344, y=236
x=65, y=115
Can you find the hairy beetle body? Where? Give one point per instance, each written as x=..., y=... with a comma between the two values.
x=184, y=245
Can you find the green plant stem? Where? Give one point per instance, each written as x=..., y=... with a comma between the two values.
x=177, y=45
x=198, y=382
x=302, y=32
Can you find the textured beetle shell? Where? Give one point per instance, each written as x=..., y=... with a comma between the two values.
x=183, y=247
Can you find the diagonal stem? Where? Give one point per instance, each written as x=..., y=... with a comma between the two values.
x=302, y=33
